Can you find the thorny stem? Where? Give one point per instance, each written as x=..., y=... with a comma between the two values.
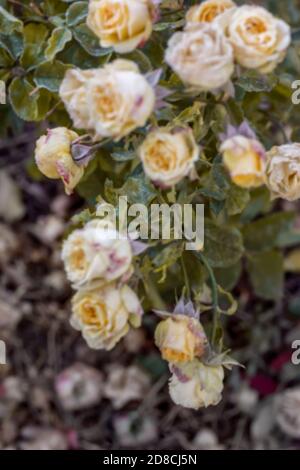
x=214, y=290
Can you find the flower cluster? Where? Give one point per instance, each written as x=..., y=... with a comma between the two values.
x=250, y=165
x=118, y=106
x=98, y=262
x=219, y=34
x=183, y=343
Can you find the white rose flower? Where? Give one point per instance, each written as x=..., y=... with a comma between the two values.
x=195, y=385
x=111, y=101
x=54, y=159
x=74, y=95
x=259, y=40
x=96, y=255
x=209, y=11
x=104, y=316
x=169, y=156
x=121, y=24
x=283, y=171
x=201, y=56
x=121, y=101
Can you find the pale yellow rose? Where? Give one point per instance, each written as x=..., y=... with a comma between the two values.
x=244, y=159
x=283, y=171
x=110, y=101
x=259, y=39
x=196, y=385
x=169, y=156
x=121, y=101
x=121, y=24
x=210, y=10
x=104, y=315
x=180, y=338
x=201, y=56
x=96, y=255
x=74, y=95
x=54, y=159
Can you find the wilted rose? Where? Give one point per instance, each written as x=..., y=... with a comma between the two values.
x=110, y=101
x=54, y=159
x=283, y=171
x=195, y=385
x=201, y=56
x=96, y=254
x=259, y=40
x=180, y=338
x=79, y=387
x=104, y=316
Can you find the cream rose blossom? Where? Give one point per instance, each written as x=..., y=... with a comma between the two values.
x=96, y=255
x=283, y=171
x=180, y=338
x=210, y=11
x=259, y=40
x=54, y=159
x=196, y=385
x=104, y=316
x=121, y=24
x=111, y=101
x=244, y=158
x=169, y=156
x=201, y=56
x=74, y=95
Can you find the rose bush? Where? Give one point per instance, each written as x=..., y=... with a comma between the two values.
x=168, y=103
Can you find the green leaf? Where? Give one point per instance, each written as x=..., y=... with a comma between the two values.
x=223, y=245
x=259, y=203
x=49, y=75
x=267, y=274
x=89, y=41
x=123, y=156
x=237, y=199
x=77, y=12
x=8, y=22
x=13, y=44
x=5, y=59
x=252, y=81
x=35, y=36
x=263, y=234
x=57, y=41
x=29, y=103
x=168, y=255
x=229, y=277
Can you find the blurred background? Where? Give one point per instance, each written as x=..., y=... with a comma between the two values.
x=56, y=393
